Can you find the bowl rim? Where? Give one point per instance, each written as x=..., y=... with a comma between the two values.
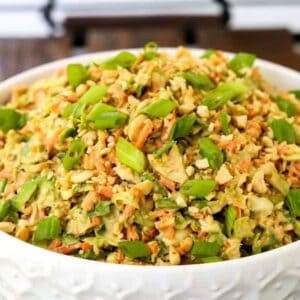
x=33, y=74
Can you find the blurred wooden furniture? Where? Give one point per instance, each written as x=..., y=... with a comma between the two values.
x=105, y=39
x=17, y=55
x=272, y=44
x=102, y=33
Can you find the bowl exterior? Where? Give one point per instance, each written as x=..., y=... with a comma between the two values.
x=30, y=273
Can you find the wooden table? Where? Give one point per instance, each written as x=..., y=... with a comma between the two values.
x=17, y=55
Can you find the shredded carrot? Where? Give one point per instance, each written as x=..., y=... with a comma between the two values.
x=105, y=190
x=143, y=135
x=85, y=246
x=54, y=244
x=89, y=201
x=128, y=211
x=169, y=184
x=169, y=122
x=96, y=221
x=202, y=235
x=231, y=146
x=243, y=165
x=162, y=213
x=66, y=249
x=154, y=247
x=131, y=233
x=169, y=232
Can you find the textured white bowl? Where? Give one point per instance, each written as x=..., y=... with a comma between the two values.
x=28, y=272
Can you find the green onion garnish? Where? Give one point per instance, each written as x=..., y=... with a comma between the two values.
x=4, y=208
x=241, y=61
x=3, y=184
x=225, y=92
x=73, y=155
x=134, y=249
x=130, y=156
x=286, y=106
x=198, y=81
x=47, y=229
x=106, y=117
x=230, y=216
x=166, y=203
x=283, y=131
x=210, y=259
x=183, y=126
x=150, y=50
x=198, y=187
x=159, y=108
x=205, y=249
x=296, y=93
x=101, y=209
x=124, y=59
x=76, y=74
x=211, y=151
x=94, y=94
x=11, y=119
x=27, y=190
x=224, y=122
x=208, y=53
x=69, y=132
x=164, y=149
x=293, y=201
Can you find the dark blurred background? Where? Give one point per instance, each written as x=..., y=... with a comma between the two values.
x=33, y=32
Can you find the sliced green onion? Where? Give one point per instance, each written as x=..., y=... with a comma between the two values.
x=225, y=92
x=130, y=156
x=124, y=59
x=224, y=122
x=3, y=184
x=211, y=259
x=183, y=126
x=211, y=151
x=198, y=187
x=199, y=203
x=164, y=149
x=205, y=249
x=101, y=209
x=4, y=209
x=74, y=110
x=73, y=155
x=11, y=119
x=293, y=201
x=139, y=91
x=76, y=74
x=98, y=109
x=134, y=249
x=283, y=131
x=27, y=190
x=69, y=132
x=296, y=93
x=198, y=81
x=94, y=94
x=208, y=53
x=111, y=120
x=241, y=61
x=106, y=117
x=230, y=216
x=47, y=229
x=286, y=106
x=166, y=203
x=159, y=108
x=150, y=50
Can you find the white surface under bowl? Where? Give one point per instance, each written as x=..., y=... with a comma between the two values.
x=30, y=273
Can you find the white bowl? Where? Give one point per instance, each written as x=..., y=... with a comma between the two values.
x=28, y=272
